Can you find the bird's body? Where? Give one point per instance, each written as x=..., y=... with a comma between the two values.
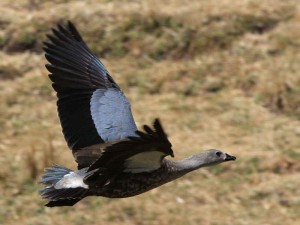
x=130, y=184
x=115, y=160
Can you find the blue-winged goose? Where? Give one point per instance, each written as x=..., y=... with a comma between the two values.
x=115, y=160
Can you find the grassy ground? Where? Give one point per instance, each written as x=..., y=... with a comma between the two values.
x=220, y=74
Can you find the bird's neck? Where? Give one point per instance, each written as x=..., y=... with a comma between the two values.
x=189, y=164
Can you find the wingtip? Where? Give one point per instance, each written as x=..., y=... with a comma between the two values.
x=63, y=26
x=47, y=66
x=73, y=30
x=64, y=30
x=158, y=127
x=70, y=24
x=156, y=121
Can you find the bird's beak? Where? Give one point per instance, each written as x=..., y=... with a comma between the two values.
x=229, y=157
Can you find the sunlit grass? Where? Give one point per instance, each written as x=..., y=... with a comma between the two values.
x=219, y=74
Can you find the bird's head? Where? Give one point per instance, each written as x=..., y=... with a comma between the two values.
x=213, y=156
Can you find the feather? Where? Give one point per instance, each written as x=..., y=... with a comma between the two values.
x=114, y=156
x=77, y=74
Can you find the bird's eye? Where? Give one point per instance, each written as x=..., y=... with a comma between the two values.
x=218, y=154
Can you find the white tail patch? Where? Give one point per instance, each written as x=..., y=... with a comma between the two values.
x=72, y=180
x=144, y=162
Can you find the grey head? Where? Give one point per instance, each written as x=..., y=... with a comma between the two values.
x=205, y=158
x=213, y=156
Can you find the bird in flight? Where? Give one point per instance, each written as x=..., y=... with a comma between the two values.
x=115, y=159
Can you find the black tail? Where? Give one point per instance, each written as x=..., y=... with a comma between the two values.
x=59, y=196
x=64, y=202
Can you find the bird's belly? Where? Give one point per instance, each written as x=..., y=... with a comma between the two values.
x=128, y=185
x=124, y=192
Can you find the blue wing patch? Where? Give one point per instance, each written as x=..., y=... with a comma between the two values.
x=112, y=115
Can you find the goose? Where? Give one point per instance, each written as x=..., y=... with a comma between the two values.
x=114, y=158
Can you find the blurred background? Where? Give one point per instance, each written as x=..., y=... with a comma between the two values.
x=219, y=74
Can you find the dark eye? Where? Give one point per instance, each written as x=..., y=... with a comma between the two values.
x=218, y=154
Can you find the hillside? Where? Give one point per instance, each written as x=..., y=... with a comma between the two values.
x=219, y=74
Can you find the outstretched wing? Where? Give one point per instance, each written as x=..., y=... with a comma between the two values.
x=91, y=106
x=142, y=153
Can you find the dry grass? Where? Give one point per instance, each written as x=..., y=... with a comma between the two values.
x=220, y=74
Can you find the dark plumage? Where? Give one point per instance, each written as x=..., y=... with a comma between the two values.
x=114, y=159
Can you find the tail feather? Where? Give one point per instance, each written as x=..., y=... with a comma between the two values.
x=53, y=194
x=57, y=194
x=64, y=202
x=54, y=174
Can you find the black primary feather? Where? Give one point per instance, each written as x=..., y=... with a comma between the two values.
x=76, y=73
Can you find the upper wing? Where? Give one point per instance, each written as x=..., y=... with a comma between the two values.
x=143, y=153
x=91, y=106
